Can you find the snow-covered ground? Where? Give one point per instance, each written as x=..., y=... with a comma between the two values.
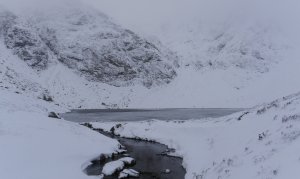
x=34, y=146
x=262, y=142
x=230, y=87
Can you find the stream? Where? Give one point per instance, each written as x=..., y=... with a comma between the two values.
x=152, y=160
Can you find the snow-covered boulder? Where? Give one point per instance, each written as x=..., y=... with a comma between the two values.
x=54, y=115
x=167, y=171
x=113, y=167
x=128, y=173
x=128, y=160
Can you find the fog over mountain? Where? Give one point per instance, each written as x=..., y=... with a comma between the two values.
x=155, y=12
x=148, y=15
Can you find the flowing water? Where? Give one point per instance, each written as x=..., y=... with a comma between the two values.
x=151, y=160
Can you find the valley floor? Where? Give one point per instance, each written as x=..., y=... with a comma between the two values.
x=262, y=142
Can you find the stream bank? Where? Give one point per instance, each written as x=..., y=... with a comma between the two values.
x=151, y=159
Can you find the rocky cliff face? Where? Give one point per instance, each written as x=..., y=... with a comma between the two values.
x=22, y=39
x=89, y=43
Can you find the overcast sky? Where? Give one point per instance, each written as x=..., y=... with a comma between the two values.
x=147, y=15
x=151, y=14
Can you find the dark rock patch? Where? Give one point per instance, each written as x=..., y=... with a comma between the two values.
x=54, y=115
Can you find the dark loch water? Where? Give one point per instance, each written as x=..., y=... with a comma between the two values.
x=104, y=115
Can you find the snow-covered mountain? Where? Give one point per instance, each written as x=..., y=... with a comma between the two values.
x=251, y=46
x=79, y=56
x=88, y=42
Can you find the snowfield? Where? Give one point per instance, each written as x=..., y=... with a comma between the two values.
x=262, y=142
x=34, y=146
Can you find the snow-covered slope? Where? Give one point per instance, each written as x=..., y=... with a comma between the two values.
x=250, y=45
x=262, y=142
x=65, y=87
x=41, y=147
x=238, y=65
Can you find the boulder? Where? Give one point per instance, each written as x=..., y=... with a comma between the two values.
x=54, y=115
